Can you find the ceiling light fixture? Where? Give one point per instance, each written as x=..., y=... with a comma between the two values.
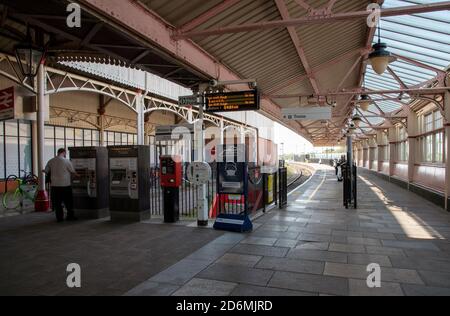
x=380, y=58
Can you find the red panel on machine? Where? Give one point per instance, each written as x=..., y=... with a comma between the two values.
x=171, y=171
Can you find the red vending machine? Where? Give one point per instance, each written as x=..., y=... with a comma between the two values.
x=171, y=180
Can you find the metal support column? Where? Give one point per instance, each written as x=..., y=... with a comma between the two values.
x=412, y=132
x=392, y=158
x=34, y=146
x=202, y=201
x=140, y=118
x=350, y=160
x=447, y=149
x=42, y=203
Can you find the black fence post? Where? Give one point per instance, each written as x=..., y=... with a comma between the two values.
x=283, y=186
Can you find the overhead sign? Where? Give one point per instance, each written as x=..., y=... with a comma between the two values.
x=174, y=132
x=189, y=100
x=307, y=113
x=7, y=104
x=232, y=101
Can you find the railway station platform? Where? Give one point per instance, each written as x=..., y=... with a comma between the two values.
x=313, y=247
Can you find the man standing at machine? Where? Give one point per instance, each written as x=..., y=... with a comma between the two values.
x=61, y=170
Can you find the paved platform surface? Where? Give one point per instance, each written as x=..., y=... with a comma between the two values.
x=313, y=247
x=316, y=247
x=114, y=258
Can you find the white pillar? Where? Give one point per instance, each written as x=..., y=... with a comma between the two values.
x=41, y=202
x=40, y=124
x=140, y=119
x=447, y=149
x=222, y=132
x=392, y=159
x=34, y=140
x=379, y=150
x=412, y=133
x=242, y=134
x=202, y=201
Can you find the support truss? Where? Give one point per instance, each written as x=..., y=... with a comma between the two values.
x=61, y=81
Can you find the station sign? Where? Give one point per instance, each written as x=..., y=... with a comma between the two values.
x=307, y=113
x=7, y=101
x=232, y=101
x=189, y=100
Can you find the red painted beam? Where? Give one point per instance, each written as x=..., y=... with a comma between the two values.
x=135, y=20
x=424, y=91
x=206, y=16
x=317, y=19
x=298, y=47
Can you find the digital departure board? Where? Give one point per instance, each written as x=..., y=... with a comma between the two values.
x=232, y=101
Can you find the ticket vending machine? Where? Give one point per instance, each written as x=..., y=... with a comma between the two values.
x=129, y=182
x=171, y=180
x=90, y=189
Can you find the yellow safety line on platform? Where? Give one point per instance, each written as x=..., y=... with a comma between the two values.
x=319, y=186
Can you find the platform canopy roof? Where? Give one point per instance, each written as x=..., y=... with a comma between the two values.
x=298, y=51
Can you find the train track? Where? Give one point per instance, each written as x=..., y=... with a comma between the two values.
x=298, y=179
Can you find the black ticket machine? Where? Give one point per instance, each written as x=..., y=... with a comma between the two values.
x=129, y=182
x=90, y=188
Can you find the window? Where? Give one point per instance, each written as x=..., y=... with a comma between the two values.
x=16, y=154
x=402, y=144
x=439, y=147
x=428, y=123
x=15, y=148
x=432, y=141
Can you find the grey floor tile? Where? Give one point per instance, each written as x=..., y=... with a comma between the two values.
x=364, y=259
x=259, y=241
x=316, y=255
x=291, y=265
x=310, y=283
x=202, y=287
x=258, y=250
x=274, y=228
x=353, y=271
x=237, y=274
x=153, y=289
x=306, y=245
x=210, y=252
x=426, y=245
x=420, y=290
x=314, y=237
x=436, y=279
x=347, y=233
x=181, y=272
x=287, y=243
x=228, y=239
x=275, y=234
x=384, y=251
x=360, y=288
x=421, y=263
x=259, y=291
x=234, y=259
x=347, y=248
x=363, y=241
x=385, y=236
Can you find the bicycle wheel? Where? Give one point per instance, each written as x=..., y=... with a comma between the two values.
x=12, y=200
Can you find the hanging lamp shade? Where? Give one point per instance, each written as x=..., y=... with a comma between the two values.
x=29, y=56
x=356, y=119
x=380, y=58
x=364, y=102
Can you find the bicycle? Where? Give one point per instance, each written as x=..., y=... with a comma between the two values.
x=26, y=190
